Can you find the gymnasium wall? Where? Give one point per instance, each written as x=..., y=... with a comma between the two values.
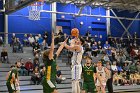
x=92, y=24
x=1, y=18
x=116, y=28
x=19, y=23
x=1, y=24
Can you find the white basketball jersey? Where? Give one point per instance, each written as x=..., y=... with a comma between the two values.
x=102, y=74
x=76, y=64
x=77, y=57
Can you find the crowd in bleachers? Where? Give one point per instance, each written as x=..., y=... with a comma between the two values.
x=122, y=56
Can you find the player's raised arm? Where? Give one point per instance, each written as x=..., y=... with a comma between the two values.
x=52, y=47
x=73, y=47
x=61, y=48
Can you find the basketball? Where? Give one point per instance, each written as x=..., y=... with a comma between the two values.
x=75, y=32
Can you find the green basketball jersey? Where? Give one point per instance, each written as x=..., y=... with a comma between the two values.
x=51, y=65
x=88, y=73
x=49, y=75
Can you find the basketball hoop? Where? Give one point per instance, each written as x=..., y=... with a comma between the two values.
x=34, y=10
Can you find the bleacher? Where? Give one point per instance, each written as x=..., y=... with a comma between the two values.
x=25, y=82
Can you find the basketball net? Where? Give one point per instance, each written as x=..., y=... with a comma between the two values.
x=35, y=10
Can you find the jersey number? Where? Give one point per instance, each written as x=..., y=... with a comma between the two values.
x=88, y=73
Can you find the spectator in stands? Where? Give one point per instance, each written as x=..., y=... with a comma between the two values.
x=40, y=41
x=132, y=68
x=88, y=34
x=113, y=51
x=45, y=37
x=88, y=40
x=29, y=66
x=20, y=46
x=137, y=77
x=114, y=67
x=125, y=78
x=87, y=48
x=36, y=63
x=94, y=49
x=138, y=55
x=133, y=80
x=4, y=55
x=36, y=58
x=36, y=48
x=60, y=33
x=126, y=67
x=116, y=78
x=59, y=77
x=15, y=45
x=23, y=71
x=121, y=58
x=13, y=39
x=36, y=37
x=31, y=40
x=92, y=40
x=36, y=76
x=119, y=43
x=107, y=48
x=1, y=40
x=99, y=47
x=58, y=39
x=135, y=38
x=119, y=67
x=106, y=58
x=25, y=40
x=138, y=67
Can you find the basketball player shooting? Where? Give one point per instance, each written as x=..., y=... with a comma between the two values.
x=77, y=49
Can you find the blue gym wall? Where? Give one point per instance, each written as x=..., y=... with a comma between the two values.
x=1, y=22
x=19, y=23
x=1, y=18
x=116, y=28
x=97, y=27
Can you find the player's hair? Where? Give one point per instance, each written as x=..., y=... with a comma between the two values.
x=12, y=66
x=99, y=62
x=82, y=40
x=88, y=57
x=46, y=54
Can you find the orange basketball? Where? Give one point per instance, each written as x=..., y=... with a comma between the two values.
x=75, y=32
